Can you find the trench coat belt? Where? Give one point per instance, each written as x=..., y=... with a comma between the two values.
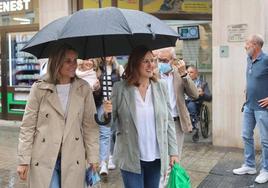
x=176, y=118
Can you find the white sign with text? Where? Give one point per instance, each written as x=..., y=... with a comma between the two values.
x=11, y=6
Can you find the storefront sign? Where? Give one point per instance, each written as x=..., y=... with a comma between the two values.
x=10, y=6
x=237, y=33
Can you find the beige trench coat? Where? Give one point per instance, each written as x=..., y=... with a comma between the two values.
x=45, y=131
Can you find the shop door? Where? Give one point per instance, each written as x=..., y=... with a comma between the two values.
x=18, y=71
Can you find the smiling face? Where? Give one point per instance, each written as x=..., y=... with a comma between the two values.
x=88, y=64
x=147, y=66
x=67, y=71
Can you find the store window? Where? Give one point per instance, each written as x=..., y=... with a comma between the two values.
x=195, y=51
x=23, y=67
x=18, y=12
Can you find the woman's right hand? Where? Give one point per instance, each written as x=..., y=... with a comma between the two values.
x=22, y=171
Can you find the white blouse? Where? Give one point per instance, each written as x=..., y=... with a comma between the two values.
x=63, y=93
x=147, y=140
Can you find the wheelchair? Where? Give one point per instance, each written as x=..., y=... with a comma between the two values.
x=204, y=120
x=201, y=120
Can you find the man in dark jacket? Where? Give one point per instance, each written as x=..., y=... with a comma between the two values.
x=194, y=105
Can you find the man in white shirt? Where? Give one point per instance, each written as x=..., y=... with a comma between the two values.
x=179, y=83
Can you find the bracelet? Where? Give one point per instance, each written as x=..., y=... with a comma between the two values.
x=184, y=75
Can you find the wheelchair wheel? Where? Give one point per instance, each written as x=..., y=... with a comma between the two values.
x=204, y=120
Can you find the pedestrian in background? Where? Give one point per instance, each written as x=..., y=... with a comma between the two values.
x=194, y=105
x=113, y=74
x=179, y=83
x=255, y=110
x=145, y=138
x=58, y=132
x=86, y=70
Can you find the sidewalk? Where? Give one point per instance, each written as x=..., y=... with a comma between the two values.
x=208, y=166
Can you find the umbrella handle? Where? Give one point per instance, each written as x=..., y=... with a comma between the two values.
x=105, y=122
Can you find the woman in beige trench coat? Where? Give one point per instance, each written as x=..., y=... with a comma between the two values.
x=58, y=133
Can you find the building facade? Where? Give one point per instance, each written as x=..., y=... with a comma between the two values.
x=233, y=21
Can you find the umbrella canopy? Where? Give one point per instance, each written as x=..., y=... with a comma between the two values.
x=103, y=32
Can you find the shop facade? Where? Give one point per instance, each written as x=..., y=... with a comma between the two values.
x=19, y=21
x=19, y=70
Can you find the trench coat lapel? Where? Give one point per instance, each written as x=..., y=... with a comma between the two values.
x=75, y=102
x=53, y=98
x=129, y=94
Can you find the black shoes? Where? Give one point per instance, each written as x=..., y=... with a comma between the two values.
x=195, y=137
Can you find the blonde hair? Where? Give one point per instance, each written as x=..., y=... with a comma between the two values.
x=55, y=62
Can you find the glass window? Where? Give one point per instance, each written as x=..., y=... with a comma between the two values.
x=24, y=68
x=197, y=52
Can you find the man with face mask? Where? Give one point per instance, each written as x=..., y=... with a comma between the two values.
x=255, y=111
x=179, y=84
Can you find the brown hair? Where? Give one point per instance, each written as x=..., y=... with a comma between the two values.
x=134, y=62
x=55, y=62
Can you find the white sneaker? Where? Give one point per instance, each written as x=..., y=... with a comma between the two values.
x=244, y=170
x=262, y=177
x=111, y=165
x=103, y=169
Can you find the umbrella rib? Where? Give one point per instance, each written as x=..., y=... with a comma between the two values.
x=130, y=31
x=85, y=47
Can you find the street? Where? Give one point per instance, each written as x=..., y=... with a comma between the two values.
x=208, y=166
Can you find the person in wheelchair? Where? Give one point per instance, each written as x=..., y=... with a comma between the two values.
x=194, y=106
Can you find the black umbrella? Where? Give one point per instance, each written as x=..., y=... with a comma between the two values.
x=103, y=32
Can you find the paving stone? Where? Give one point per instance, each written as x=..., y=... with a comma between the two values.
x=218, y=181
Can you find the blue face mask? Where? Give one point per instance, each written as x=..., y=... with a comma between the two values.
x=164, y=68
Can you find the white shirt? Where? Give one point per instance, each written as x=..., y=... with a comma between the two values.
x=147, y=140
x=63, y=93
x=171, y=93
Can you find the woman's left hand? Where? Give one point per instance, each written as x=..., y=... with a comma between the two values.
x=107, y=106
x=94, y=166
x=173, y=159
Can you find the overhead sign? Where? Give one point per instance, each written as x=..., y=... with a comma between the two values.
x=237, y=33
x=11, y=6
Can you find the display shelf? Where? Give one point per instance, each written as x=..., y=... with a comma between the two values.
x=23, y=65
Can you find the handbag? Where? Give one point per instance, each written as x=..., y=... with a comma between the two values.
x=178, y=178
x=92, y=178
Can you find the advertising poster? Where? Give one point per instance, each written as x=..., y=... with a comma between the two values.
x=128, y=4
x=95, y=3
x=178, y=6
